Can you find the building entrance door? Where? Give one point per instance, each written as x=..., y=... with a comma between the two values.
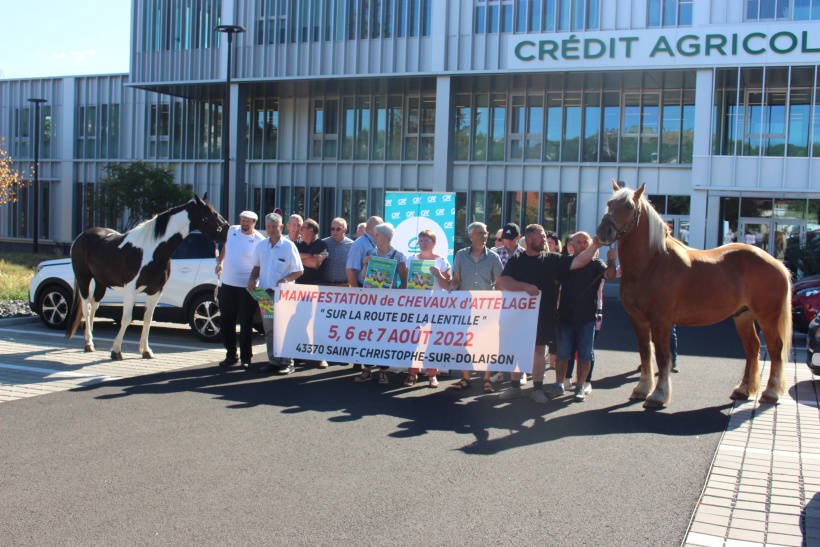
x=773, y=236
x=678, y=227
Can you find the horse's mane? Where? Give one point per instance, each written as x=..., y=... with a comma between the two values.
x=148, y=231
x=658, y=230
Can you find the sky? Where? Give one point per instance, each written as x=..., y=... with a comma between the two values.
x=43, y=38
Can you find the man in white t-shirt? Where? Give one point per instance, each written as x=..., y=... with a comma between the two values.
x=275, y=260
x=234, y=266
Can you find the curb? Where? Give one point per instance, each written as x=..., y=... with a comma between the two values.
x=18, y=320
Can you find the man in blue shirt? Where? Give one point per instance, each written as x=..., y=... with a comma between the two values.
x=359, y=250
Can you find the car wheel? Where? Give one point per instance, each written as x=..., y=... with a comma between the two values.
x=54, y=304
x=204, y=318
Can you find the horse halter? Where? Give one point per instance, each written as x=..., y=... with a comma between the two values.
x=623, y=230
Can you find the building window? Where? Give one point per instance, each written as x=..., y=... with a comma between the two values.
x=272, y=24
x=669, y=13
x=493, y=16
x=421, y=126
x=180, y=24
x=160, y=130
x=526, y=127
x=781, y=10
x=766, y=111
x=263, y=127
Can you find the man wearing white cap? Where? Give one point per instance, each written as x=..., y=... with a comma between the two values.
x=235, y=302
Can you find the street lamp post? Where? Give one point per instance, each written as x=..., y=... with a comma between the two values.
x=36, y=170
x=230, y=30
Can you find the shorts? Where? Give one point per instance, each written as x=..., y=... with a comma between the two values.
x=572, y=339
x=544, y=334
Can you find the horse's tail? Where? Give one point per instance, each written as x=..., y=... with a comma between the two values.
x=784, y=323
x=75, y=316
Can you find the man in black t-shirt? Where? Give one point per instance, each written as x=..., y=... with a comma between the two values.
x=577, y=314
x=533, y=271
x=313, y=252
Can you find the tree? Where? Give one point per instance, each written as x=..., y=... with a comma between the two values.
x=131, y=193
x=10, y=180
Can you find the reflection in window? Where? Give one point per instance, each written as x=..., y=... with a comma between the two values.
x=462, y=128
x=263, y=132
x=728, y=213
x=774, y=120
x=569, y=215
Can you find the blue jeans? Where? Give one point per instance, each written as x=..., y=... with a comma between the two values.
x=573, y=339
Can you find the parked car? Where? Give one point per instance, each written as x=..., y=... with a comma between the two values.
x=813, y=346
x=188, y=296
x=805, y=301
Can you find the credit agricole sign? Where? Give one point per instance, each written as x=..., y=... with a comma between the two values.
x=683, y=47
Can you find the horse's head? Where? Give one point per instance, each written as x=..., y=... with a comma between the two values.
x=622, y=212
x=203, y=217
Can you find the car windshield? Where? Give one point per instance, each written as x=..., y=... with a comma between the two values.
x=195, y=245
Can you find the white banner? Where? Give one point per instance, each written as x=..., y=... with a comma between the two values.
x=466, y=330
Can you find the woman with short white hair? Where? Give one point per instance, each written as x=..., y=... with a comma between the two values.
x=383, y=235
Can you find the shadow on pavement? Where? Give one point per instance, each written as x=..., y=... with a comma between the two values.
x=333, y=391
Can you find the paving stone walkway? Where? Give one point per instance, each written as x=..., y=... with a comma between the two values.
x=764, y=485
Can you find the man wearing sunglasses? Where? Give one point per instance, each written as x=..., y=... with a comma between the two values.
x=338, y=247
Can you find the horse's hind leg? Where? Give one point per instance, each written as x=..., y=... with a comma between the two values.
x=90, y=306
x=647, y=382
x=150, y=304
x=745, y=325
x=777, y=376
x=128, y=298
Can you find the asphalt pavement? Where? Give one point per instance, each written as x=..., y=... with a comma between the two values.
x=199, y=455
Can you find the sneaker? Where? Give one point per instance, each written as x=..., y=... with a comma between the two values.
x=579, y=393
x=587, y=388
x=287, y=368
x=554, y=390
x=497, y=377
x=538, y=396
x=246, y=365
x=322, y=364
x=675, y=367
x=511, y=393
x=567, y=383
x=523, y=380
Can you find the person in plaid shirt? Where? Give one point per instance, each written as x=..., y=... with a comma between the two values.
x=510, y=236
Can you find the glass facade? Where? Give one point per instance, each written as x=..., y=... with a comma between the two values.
x=180, y=24
x=526, y=16
x=577, y=118
x=766, y=111
x=669, y=13
x=301, y=21
x=781, y=10
x=375, y=121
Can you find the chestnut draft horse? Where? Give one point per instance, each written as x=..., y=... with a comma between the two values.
x=135, y=262
x=666, y=283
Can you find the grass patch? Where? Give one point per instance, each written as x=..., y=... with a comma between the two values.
x=16, y=270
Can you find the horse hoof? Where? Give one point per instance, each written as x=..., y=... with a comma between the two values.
x=638, y=396
x=89, y=348
x=769, y=397
x=147, y=355
x=649, y=403
x=739, y=395
x=116, y=356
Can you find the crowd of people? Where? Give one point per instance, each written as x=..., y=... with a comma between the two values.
x=569, y=283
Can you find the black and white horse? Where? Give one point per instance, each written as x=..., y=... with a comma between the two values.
x=135, y=262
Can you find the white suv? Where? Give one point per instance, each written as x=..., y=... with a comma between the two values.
x=188, y=297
